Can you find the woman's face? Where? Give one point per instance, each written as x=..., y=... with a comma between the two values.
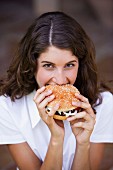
x=56, y=66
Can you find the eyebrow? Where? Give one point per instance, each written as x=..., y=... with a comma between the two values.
x=47, y=62
x=54, y=63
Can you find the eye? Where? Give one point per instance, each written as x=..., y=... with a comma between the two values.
x=48, y=65
x=69, y=65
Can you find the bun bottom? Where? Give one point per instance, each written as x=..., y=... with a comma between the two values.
x=58, y=117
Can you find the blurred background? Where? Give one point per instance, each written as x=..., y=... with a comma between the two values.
x=95, y=16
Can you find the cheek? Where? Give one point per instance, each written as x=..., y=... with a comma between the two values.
x=72, y=75
x=41, y=77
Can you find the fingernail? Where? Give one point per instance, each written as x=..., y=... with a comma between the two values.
x=75, y=103
x=77, y=94
x=49, y=91
x=43, y=87
x=52, y=96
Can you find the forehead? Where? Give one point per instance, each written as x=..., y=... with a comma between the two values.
x=55, y=54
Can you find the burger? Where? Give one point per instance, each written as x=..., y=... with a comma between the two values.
x=64, y=95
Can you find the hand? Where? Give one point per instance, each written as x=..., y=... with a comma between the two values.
x=82, y=123
x=42, y=98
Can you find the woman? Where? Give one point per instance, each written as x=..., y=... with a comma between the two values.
x=55, y=50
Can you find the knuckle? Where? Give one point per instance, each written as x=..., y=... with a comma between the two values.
x=50, y=97
x=36, y=102
x=92, y=125
x=91, y=128
x=94, y=116
x=39, y=107
x=87, y=100
x=85, y=113
x=94, y=121
x=81, y=124
x=89, y=106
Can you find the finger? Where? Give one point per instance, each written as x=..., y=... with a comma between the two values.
x=81, y=104
x=53, y=110
x=81, y=98
x=49, y=115
x=44, y=103
x=85, y=104
x=77, y=116
x=84, y=125
x=38, y=92
x=86, y=122
x=81, y=115
x=40, y=96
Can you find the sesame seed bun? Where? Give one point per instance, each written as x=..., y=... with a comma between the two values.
x=64, y=95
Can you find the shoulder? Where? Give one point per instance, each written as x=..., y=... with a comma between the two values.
x=103, y=130
x=107, y=100
x=9, y=128
x=107, y=96
x=106, y=105
x=7, y=104
x=105, y=110
x=8, y=108
x=4, y=100
x=14, y=120
x=14, y=110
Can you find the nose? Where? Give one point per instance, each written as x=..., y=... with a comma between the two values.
x=60, y=78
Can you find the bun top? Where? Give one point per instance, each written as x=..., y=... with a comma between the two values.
x=64, y=95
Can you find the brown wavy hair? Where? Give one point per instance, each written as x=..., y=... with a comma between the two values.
x=66, y=33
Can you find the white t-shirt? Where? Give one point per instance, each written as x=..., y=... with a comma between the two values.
x=20, y=122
